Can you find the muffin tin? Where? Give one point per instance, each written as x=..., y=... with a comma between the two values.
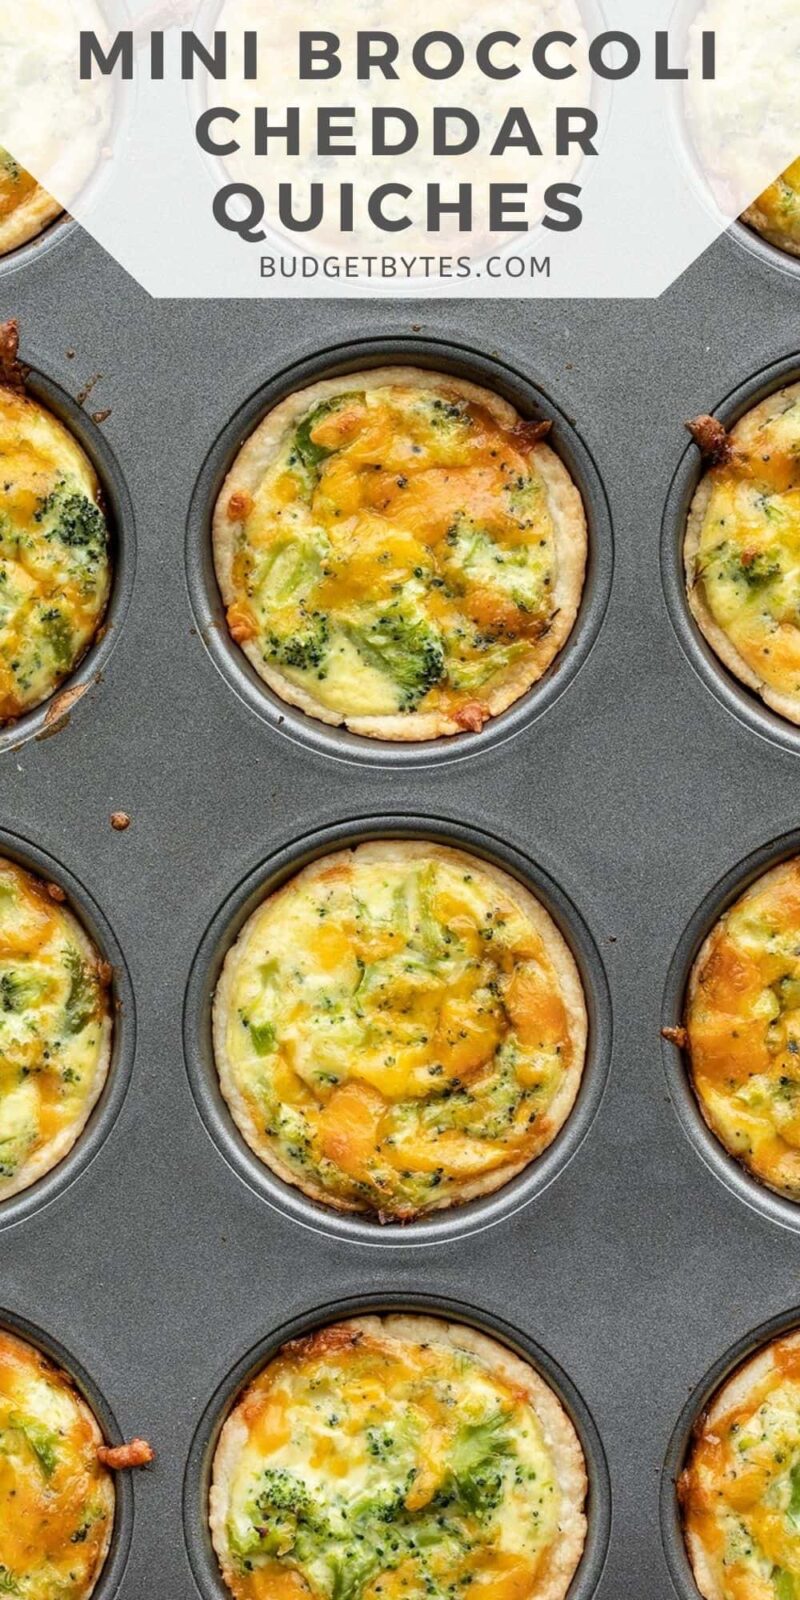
x=630, y=1258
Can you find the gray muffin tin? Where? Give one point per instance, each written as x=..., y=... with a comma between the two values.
x=636, y=789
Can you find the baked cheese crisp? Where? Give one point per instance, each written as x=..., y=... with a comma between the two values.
x=400, y=1028
x=399, y=552
x=740, y=1491
x=398, y=1456
x=55, y=1028
x=55, y=571
x=56, y=1499
x=742, y=548
x=743, y=1027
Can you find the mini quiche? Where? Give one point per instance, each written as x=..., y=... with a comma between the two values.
x=387, y=1458
x=25, y=208
x=742, y=547
x=55, y=571
x=400, y=1028
x=740, y=1491
x=55, y=1028
x=398, y=552
x=56, y=1497
x=776, y=212
x=743, y=1028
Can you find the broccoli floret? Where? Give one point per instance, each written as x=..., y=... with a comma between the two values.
x=59, y=634
x=82, y=994
x=477, y=1466
x=409, y=652
x=310, y=454
x=306, y=651
x=10, y=166
x=76, y=521
x=15, y=991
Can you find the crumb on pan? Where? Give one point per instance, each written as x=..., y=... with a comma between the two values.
x=711, y=439
x=120, y=820
x=119, y=1457
x=12, y=372
x=677, y=1036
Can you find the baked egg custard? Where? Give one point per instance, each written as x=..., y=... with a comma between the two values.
x=398, y=1457
x=776, y=212
x=56, y=1498
x=743, y=1028
x=742, y=547
x=399, y=552
x=55, y=571
x=55, y=1028
x=740, y=1491
x=25, y=208
x=400, y=1028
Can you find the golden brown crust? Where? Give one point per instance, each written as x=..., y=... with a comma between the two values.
x=27, y=220
x=122, y=1457
x=557, y=1428
x=559, y=954
x=564, y=503
x=711, y=439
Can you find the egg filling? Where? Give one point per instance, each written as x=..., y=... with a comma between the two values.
x=398, y=1028
x=55, y=1028
x=56, y=1500
x=365, y=1463
x=776, y=212
x=398, y=555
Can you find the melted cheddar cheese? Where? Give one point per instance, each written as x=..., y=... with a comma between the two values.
x=55, y=1028
x=397, y=556
x=395, y=1457
x=25, y=209
x=743, y=568
x=56, y=1500
x=776, y=212
x=398, y=1028
x=743, y=1025
x=741, y=1487
x=54, y=561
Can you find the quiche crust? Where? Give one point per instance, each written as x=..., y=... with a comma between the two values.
x=743, y=441
x=61, y=933
x=712, y=1469
x=28, y=219
x=557, y=1570
x=569, y=987
x=74, y=1484
x=764, y=215
x=742, y=1018
x=564, y=504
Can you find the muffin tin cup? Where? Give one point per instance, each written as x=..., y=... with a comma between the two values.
x=46, y=718
x=114, y=1566
x=733, y=1173
x=197, y=1477
x=723, y=684
x=679, y=1445
x=104, y=1114
x=460, y=1220
x=461, y=361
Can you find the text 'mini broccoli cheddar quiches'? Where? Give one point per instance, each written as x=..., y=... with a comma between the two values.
x=742, y=547
x=390, y=1457
x=399, y=553
x=740, y=1490
x=56, y=1496
x=25, y=207
x=55, y=569
x=400, y=1028
x=55, y=1027
x=742, y=1028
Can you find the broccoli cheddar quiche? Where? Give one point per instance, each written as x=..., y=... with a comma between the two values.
x=776, y=212
x=25, y=208
x=55, y=1027
x=56, y=1497
x=54, y=548
x=401, y=1027
x=742, y=547
x=740, y=1491
x=387, y=1458
x=399, y=552
x=743, y=1028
